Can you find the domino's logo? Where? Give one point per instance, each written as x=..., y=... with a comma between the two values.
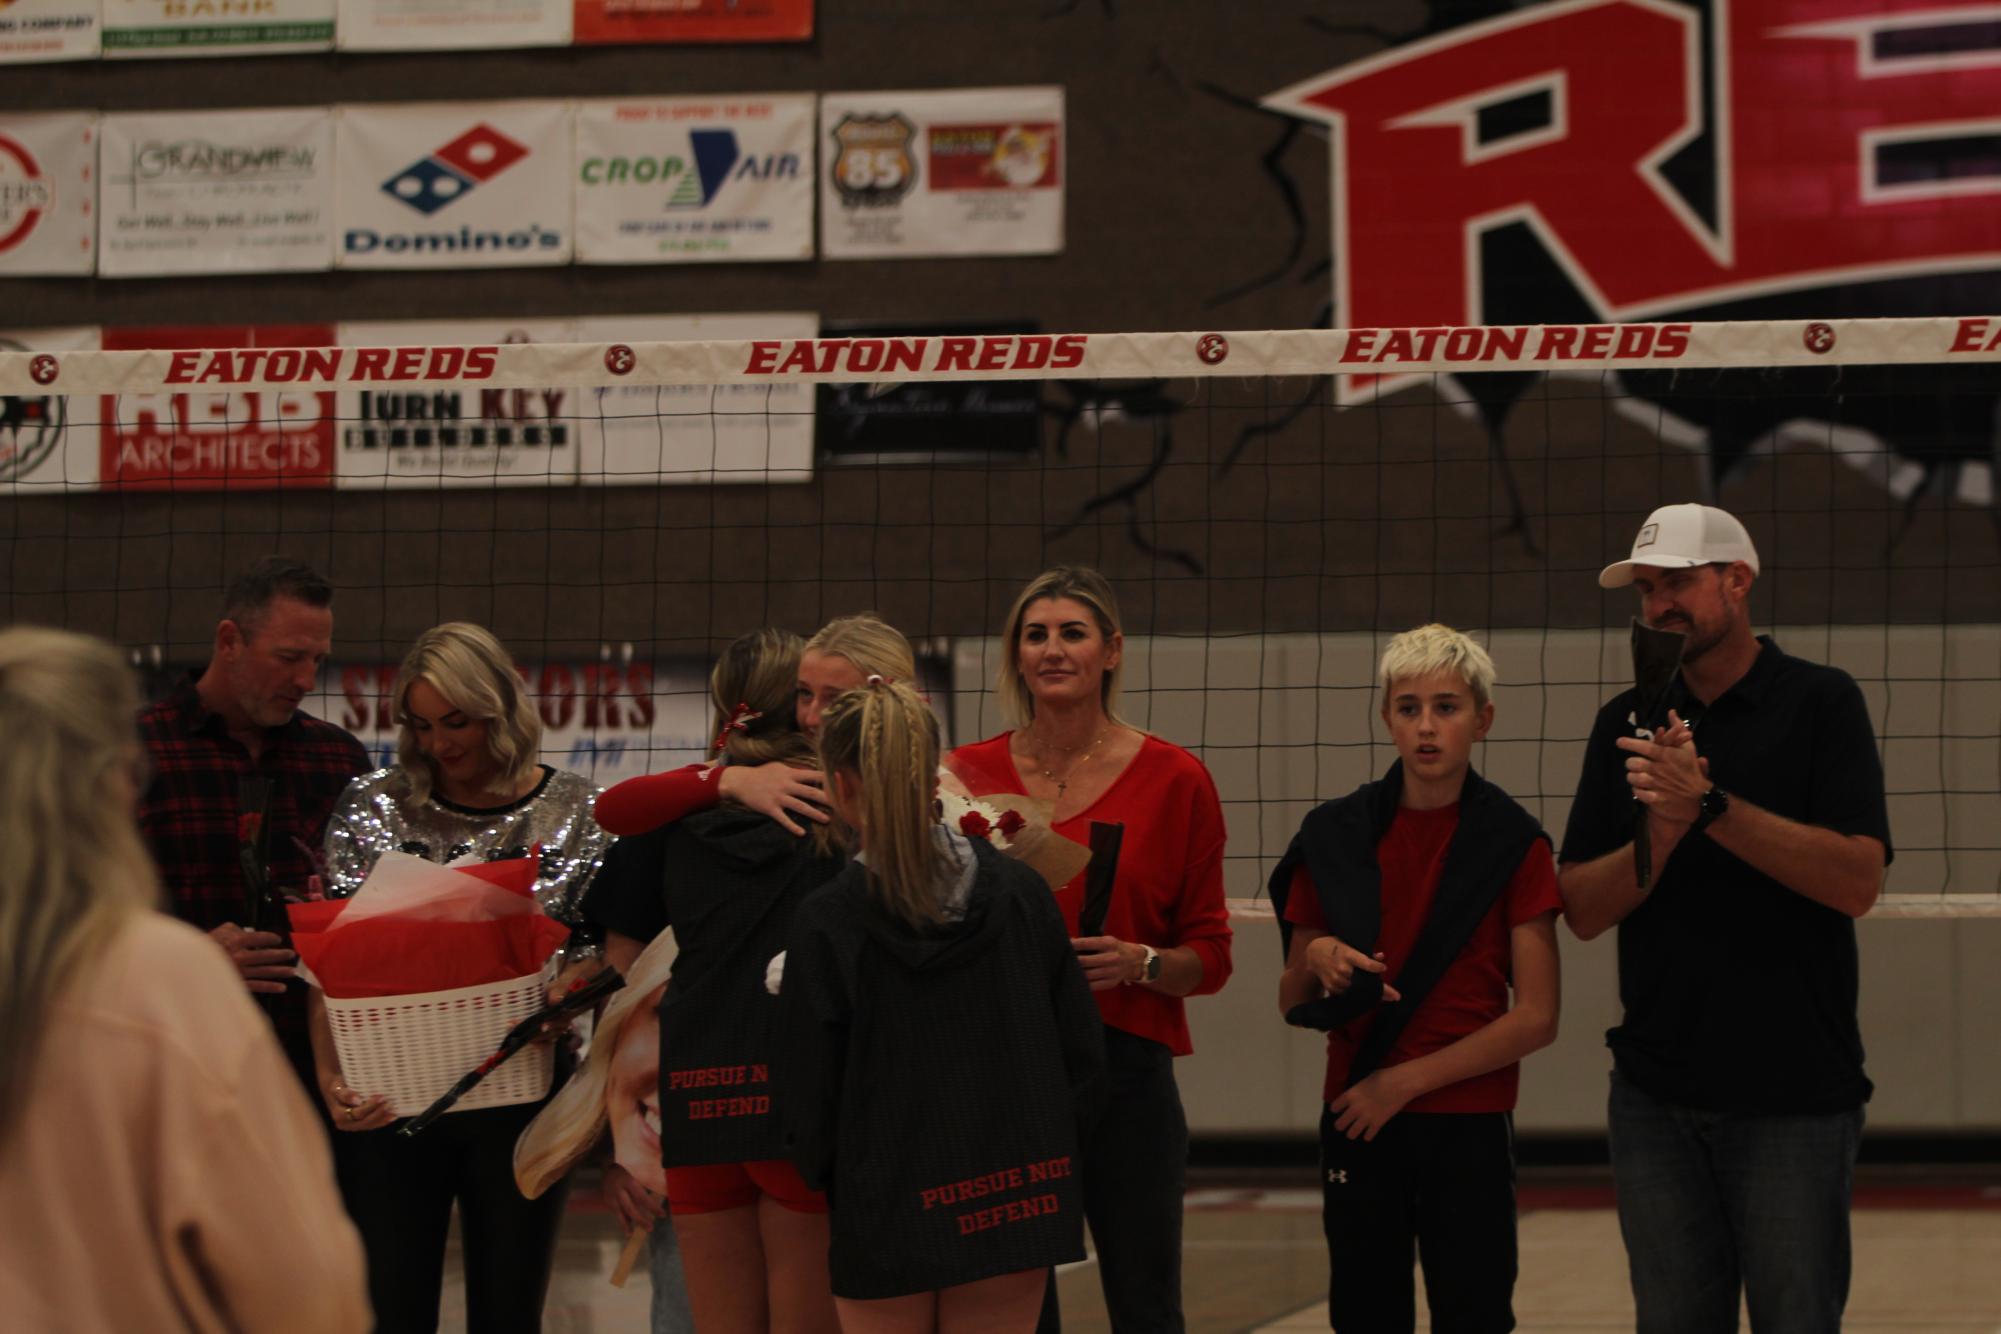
x=475, y=157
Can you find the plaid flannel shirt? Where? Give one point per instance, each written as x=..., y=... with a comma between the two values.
x=190, y=811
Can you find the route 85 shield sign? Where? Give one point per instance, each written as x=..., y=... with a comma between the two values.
x=873, y=165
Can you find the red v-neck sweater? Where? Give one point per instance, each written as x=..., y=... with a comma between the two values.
x=1169, y=889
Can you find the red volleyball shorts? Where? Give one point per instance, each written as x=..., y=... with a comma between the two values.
x=714, y=1187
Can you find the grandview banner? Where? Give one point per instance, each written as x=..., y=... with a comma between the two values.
x=458, y=435
x=33, y=30
x=693, y=179
x=216, y=192
x=973, y=172
x=41, y=449
x=453, y=185
x=48, y=193
x=437, y=25
x=654, y=435
x=145, y=28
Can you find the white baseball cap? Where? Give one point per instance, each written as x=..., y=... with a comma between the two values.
x=1677, y=537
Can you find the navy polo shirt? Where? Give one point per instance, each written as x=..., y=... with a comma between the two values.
x=1739, y=994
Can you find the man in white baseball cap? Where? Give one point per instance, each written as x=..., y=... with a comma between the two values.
x=1737, y=1082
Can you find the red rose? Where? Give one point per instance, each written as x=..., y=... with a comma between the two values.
x=974, y=825
x=246, y=826
x=1011, y=824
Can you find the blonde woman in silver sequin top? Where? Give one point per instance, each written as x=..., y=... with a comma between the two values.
x=467, y=781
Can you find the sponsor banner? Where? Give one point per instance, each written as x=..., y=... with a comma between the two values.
x=216, y=192
x=734, y=359
x=147, y=28
x=204, y=435
x=48, y=30
x=458, y=434
x=42, y=449
x=645, y=434
x=689, y=179
x=438, y=25
x=615, y=21
x=48, y=193
x=445, y=185
x=972, y=172
x=871, y=423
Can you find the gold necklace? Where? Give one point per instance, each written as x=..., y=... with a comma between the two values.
x=1063, y=783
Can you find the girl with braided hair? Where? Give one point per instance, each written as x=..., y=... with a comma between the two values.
x=940, y=1047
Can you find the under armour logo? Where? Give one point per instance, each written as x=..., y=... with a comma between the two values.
x=1337, y=1176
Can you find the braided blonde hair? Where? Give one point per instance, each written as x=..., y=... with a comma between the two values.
x=887, y=737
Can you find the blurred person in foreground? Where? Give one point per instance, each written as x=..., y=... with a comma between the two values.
x=157, y=1170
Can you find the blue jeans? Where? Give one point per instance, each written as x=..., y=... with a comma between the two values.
x=1714, y=1204
x=670, y=1290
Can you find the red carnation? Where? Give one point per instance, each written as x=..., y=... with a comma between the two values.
x=974, y=825
x=246, y=826
x=1011, y=823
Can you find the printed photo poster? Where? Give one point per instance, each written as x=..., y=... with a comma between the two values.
x=142, y=29
x=972, y=172
x=458, y=435
x=605, y=22
x=48, y=193
x=694, y=179
x=450, y=25
x=216, y=192
x=48, y=442
x=35, y=30
x=209, y=437
x=663, y=435
x=452, y=185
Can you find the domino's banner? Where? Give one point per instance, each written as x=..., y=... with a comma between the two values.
x=147, y=28
x=971, y=172
x=437, y=25
x=32, y=30
x=693, y=179
x=48, y=193
x=464, y=434
x=216, y=192
x=655, y=435
x=440, y=185
x=40, y=451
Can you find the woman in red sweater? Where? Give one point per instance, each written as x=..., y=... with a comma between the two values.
x=1166, y=935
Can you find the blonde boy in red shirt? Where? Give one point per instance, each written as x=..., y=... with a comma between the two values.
x=1408, y=909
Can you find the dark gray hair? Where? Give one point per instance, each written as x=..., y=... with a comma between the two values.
x=251, y=595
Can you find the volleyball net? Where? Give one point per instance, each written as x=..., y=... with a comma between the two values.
x=617, y=498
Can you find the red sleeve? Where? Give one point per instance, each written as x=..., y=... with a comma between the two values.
x=641, y=805
x=1302, y=901
x=1533, y=890
x=1203, y=922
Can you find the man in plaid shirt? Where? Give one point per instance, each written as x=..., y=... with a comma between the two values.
x=243, y=782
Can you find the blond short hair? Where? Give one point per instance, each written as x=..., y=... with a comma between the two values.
x=1079, y=583
x=476, y=675
x=1437, y=650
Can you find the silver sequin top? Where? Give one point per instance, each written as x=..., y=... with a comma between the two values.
x=369, y=821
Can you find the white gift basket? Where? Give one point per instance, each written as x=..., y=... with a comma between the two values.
x=413, y=1048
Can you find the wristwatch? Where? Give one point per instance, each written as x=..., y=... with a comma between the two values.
x=1711, y=808
x=1150, y=970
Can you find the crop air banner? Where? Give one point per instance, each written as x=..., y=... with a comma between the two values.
x=33, y=30
x=48, y=193
x=438, y=25
x=602, y=22
x=692, y=179
x=141, y=28
x=446, y=185
x=973, y=172
x=653, y=435
x=41, y=450
x=216, y=192
x=206, y=436
x=458, y=434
